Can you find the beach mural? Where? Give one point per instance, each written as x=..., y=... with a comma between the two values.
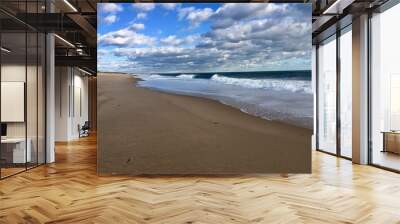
x=253, y=60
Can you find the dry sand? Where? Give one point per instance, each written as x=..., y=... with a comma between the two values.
x=142, y=131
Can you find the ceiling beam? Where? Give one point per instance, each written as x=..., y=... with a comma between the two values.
x=79, y=61
x=84, y=24
x=337, y=7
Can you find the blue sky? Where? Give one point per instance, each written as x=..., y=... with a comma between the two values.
x=169, y=37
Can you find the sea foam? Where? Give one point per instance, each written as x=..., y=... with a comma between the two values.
x=275, y=84
x=151, y=77
x=186, y=76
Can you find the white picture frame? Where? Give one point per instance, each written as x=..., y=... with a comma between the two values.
x=12, y=101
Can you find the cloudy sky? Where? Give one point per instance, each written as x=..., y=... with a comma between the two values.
x=169, y=37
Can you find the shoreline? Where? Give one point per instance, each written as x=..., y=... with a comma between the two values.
x=224, y=103
x=181, y=134
x=301, y=123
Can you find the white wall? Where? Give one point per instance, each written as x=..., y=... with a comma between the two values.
x=80, y=110
x=70, y=83
x=62, y=82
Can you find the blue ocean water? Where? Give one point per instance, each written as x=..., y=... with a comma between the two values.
x=284, y=96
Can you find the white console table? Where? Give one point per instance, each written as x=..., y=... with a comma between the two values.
x=19, y=155
x=391, y=141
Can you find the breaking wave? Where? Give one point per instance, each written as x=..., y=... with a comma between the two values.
x=186, y=76
x=276, y=84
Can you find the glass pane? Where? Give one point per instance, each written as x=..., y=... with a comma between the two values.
x=23, y=89
x=41, y=98
x=14, y=153
x=32, y=90
x=385, y=93
x=31, y=98
x=327, y=96
x=346, y=94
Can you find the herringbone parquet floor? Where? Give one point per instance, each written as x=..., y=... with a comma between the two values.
x=69, y=191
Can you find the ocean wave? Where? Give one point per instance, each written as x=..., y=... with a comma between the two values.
x=157, y=76
x=276, y=84
x=151, y=77
x=186, y=76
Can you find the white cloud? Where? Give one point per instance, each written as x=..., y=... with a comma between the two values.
x=171, y=57
x=137, y=26
x=243, y=10
x=105, y=65
x=110, y=19
x=144, y=6
x=230, y=13
x=141, y=15
x=101, y=53
x=191, y=39
x=110, y=7
x=195, y=16
x=171, y=40
x=142, y=52
x=174, y=41
x=170, y=6
x=126, y=37
x=183, y=12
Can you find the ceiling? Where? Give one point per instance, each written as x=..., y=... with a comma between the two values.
x=74, y=22
x=330, y=15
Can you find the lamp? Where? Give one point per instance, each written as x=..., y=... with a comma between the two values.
x=64, y=40
x=86, y=72
x=70, y=5
x=5, y=50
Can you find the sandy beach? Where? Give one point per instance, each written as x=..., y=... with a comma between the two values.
x=143, y=131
